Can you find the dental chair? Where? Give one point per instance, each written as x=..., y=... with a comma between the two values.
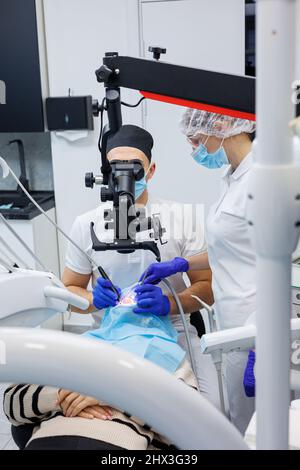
x=128, y=382
x=22, y=434
x=40, y=296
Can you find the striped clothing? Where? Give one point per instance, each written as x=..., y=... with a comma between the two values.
x=33, y=404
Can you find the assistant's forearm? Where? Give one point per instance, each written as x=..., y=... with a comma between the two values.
x=82, y=293
x=198, y=262
x=201, y=289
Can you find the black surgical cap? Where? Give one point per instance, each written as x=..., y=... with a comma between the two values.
x=132, y=136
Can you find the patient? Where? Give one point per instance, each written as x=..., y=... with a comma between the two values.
x=70, y=421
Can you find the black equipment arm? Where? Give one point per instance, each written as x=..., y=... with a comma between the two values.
x=217, y=92
x=228, y=94
x=113, y=108
x=124, y=246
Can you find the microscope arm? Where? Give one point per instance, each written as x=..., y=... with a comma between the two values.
x=231, y=95
x=195, y=88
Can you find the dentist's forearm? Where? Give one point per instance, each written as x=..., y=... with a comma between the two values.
x=82, y=293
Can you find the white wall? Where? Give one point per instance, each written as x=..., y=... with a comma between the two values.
x=202, y=33
x=207, y=34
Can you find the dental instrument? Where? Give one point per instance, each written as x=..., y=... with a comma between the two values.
x=25, y=246
x=13, y=253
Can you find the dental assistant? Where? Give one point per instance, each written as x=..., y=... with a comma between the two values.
x=219, y=141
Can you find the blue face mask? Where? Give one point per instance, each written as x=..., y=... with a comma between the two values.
x=140, y=186
x=210, y=160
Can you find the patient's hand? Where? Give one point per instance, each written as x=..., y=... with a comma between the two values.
x=96, y=411
x=74, y=404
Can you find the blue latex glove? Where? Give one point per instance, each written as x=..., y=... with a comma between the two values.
x=158, y=271
x=249, y=378
x=103, y=295
x=150, y=299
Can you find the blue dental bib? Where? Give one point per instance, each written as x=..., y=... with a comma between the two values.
x=145, y=335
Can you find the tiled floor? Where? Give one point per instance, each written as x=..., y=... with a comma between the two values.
x=6, y=442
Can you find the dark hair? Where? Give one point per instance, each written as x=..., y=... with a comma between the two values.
x=251, y=136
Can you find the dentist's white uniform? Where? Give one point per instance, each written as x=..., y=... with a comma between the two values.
x=232, y=261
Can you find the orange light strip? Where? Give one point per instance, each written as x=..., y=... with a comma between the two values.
x=201, y=106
